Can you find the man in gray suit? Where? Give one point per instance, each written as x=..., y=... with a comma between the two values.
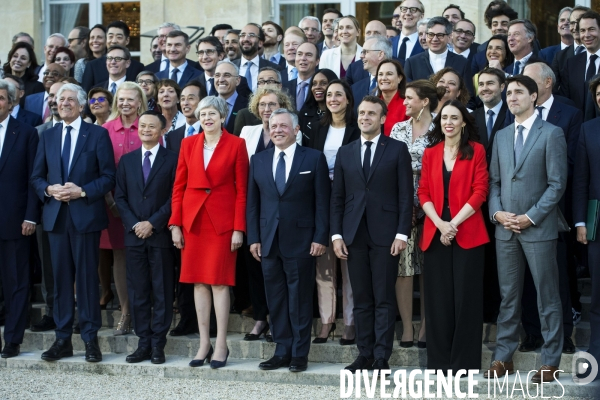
x=528, y=176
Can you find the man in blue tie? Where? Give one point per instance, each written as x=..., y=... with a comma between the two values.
x=375, y=50
x=252, y=38
x=74, y=168
x=307, y=59
x=179, y=70
x=144, y=202
x=521, y=38
x=118, y=59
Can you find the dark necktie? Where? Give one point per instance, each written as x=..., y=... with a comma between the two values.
x=146, y=165
x=66, y=155
x=367, y=160
x=249, y=74
x=540, y=110
x=300, y=96
x=213, y=90
x=402, y=52
x=517, y=69
x=591, y=71
x=113, y=88
x=490, y=123
x=519, y=143
x=280, y=173
x=372, y=86
x=174, y=74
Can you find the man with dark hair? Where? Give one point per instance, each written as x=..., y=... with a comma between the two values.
x=219, y=31
x=307, y=60
x=23, y=37
x=231, y=44
x=566, y=37
x=391, y=32
x=560, y=58
x=407, y=43
x=117, y=33
x=368, y=236
x=78, y=41
x=118, y=61
x=191, y=95
x=329, y=15
x=273, y=38
x=179, y=70
x=528, y=176
x=522, y=36
x=252, y=38
x=453, y=13
x=463, y=36
x=19, y=113
x=144, y=203
x=155, y=51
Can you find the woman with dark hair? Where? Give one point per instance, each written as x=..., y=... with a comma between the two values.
x=22, y=62
x=337, y=128
x=96, y=48
x=454, y=84
x=65, y=58
x=421, y=97
x=168, y=93
x=453, y=185
x=391, y=84
x=147, y=81
x=497, y=55
x=314, y=107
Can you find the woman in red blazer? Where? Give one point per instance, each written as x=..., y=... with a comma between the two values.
x=208, y=220
x=391, y=85
x=454, y=184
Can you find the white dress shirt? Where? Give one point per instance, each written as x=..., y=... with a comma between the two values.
x=118, y=83
x=437, y=61
x=465, y=53
x=15, y=110
x=76, y=127
x=495, y=109
x=3, y=132
x=413, y=38
x=41, y=73
x=164, y=62
x=208, y=85
x=253, y=70
x=290, y=68
x=152, y=156
x=522, y=62
x=547, y=104
x=180, y=70
x=289, y=158
x=526, y=127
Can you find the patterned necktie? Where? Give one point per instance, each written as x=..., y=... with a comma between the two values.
x=249, y=73
x=46, y=110
x=402, y=52
x=490, y=123
x=190, y=131
x=113, y=88
x=591, y=71
x=519, y=143
x=367, y=160
x=372, y=86
x=174, y=75
x=280, y=173
x=517, y=69
x=293, y=74
x=146, y=165
x=213, y=89
x=300, y=96
x=66, y=155
x=540, y=110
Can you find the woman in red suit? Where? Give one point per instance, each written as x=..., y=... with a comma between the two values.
x=208, y=220
x=454, y=184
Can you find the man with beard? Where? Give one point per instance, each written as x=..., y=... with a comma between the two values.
x=232, y=44
x=38, y=102
x=155, y=49
x=252, y=38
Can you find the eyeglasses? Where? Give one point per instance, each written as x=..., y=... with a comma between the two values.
x=440, y=36
x=143, y=82
x=248, y=35
x=365, y=51
x=268, y=82
x=209, y=52
x=271, y=106
x=97, y=100
x=413, y=10
x=308, y=29
x=226, y=75
x=463, y=32
x=117, y=59
x=51, y=73
x=70, y=40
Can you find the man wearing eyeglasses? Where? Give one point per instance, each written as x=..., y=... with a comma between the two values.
x=179, y=70
x=118, y=60
x=78, y=41
x=38, y=102
x=227, y=78
x=53, y=42
x=463, y=37
x=311, y=26
x=407, y=43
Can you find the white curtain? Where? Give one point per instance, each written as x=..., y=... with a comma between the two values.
x=64, y=17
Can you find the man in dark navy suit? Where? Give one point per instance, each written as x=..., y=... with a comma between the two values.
x=273, y=38
x=407, y=43
x=18, y=112
x=371, y=217
x=307, y=59
x=561, y=56
x=118, y=61
x=566, y=38
x=375, y=51
x=18, y=144
x=463, y=36
x=288, y=226
x=227, y=79
x=161, y=35
x=191, y=94
x=522, y=36
x=74, y=168
x=143, y=196
x=179, y=70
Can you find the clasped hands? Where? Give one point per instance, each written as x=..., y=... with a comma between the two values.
x=448, y=232
x=143, y=229
x=67, y=192
x=513, y=222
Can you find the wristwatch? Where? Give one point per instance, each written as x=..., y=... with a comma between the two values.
x=83, y=193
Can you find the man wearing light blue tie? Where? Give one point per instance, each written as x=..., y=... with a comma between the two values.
x=190, y=97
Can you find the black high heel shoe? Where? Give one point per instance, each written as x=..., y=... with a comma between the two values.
x=108, y=300
x=253, y=336
x=199, y=363
x=407, y=344
x=214, y=364
x=319, y=340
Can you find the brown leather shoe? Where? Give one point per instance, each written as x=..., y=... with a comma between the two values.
x=501, y=368
x=545, y=374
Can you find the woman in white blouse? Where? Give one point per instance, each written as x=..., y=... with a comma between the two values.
x=421, y=97
x=339, y=59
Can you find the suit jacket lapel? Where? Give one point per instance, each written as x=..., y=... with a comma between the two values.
x=267, y=166
x=10, y=138
x=81, y=139
x=428, y=62
x=298, y=158
x=357, y=159
x=381, y=146
x=499, y=122
x=532, y=136
x=158, y=162
x=509, y=146
x=480, y=121
x=554, y=113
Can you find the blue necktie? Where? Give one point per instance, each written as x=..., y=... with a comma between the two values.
x=367, y=160
x=372, y=86
x=190, y=131
x=66, y=155
x=280, y=174
x=174, y=74
x=519, y=143
x=402, y=52
x=540, y=110
x=294, y=74
x=490, y=123
x=146, y=165
x=517, y=69
x=113, y=88
x=300, y=96
x=249, y=74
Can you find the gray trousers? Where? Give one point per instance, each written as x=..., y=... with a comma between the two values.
x=541, y=257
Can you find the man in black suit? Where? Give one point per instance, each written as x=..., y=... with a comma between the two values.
x=18, y=144
x=560, y=58
x=163, y=62
x=490, y=119
x=227, y=78
x=190, y=97
x=95, y=72
x=179, y=70
x=463, y=36
x=74, y=169
x=371, y=216
x=580, y=68
x=375, y=50
x=423, y=65
x=288, y=226
x=20, y=114
x=293, y=38
x=252, y=38
x=307, y=59
x=38, y=102
x=143, y=196
x=118, y=61
x=273, y=38
x=407, y=43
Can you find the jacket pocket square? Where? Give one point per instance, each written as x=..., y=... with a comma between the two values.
x=305, y=172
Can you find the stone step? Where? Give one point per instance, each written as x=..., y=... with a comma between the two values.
x=585, y=286
x=586, y=305
x=324, y=374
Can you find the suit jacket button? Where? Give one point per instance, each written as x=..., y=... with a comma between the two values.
x=207, y=190
x=514, y=179
x=144, y=197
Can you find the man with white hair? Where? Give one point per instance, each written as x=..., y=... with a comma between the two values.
x=53, y=42
x=162, y=32
x=74, y=214
x=312, y=28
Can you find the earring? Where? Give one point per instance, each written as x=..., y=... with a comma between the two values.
x=462, y=132
x=420, y=113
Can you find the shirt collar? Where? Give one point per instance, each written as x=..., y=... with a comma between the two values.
x=196, y=126
x=15, y=111
x=275, y=58
x=563, y=46
x=153, y=150
x=590, y=54
x=374, y=140
x=524, y=60
x=5, y=122
x=528, y=123
x=289, y=67
x=464, y=54
x=231, y=100
x=255, y=60
x=495, y=109
x=433, y=55
x=181, y=68
x=75, y=124
x=547, y=104
x=413, y=37
x=289, y=152
x=118, y=82
x=119, y=124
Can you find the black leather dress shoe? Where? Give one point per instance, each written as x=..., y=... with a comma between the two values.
x=380, y=364
x=361, y=362
x=141, y=354
x=92, y=351
x=45, y=324
x=298, y=364
x=274, y=362
x=158, y=355
x=531, y=343
x=11, y=350
x=60, y=348
x=568, y=346
x=184, y=327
